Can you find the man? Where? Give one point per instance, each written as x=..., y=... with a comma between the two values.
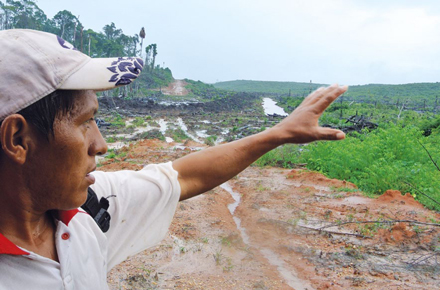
x=49, y=141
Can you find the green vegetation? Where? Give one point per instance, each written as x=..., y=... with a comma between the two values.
x=284, y=156
x=286, y=88
x=206, y=91
x=154, y=79
x=387, y=158
x=210, y=141
x=115, y=154
x=153, y=134
x=177, y=134
x=116, y=120
x=365, y=93
x=138, y=122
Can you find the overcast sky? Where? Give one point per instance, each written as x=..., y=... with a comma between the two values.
x=326, y=41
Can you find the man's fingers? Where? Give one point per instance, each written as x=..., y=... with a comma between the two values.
x=314, y=95
x=330, y=97
x=332, y=91
x=330, y=134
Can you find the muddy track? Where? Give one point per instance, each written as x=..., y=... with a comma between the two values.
x=176, y=88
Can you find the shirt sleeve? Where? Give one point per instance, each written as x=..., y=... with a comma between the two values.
x=141, y=210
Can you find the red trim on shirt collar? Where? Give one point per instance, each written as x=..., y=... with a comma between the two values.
x=7, y=247
x=67, y=215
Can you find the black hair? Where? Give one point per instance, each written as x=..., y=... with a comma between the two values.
x=42, y=114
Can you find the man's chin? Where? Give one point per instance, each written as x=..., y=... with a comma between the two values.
x=78, y=202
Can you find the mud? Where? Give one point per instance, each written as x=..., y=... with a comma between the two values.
x=297, y=230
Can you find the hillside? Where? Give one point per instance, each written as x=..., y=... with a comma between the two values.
x=376, y=91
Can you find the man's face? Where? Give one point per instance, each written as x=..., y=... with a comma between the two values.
x=59, y=169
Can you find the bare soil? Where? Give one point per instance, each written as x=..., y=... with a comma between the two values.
x=176, y=88
x=291, y=229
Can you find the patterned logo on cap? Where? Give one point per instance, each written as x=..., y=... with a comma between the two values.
x=65, y=44
x=125, y=70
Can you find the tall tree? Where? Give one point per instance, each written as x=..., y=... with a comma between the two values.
x=150, y=59
x=111, y=32
x=135, y=40
x=21, y=14
x=154, y=55
x=142, y=36
x=66, y=25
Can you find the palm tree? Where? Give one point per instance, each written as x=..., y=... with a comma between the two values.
x=142, y=36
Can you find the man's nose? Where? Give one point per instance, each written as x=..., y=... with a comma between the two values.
x=98, y=145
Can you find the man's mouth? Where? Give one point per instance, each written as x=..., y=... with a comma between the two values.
x=89, y=176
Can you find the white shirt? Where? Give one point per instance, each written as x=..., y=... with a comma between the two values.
x=141, y=213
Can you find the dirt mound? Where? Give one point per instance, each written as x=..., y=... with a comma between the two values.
x=395, y=196
x=318, y=178
x=396, y=234
x=191, y=143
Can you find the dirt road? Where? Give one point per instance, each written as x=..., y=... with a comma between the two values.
x=272, y=228
x=176, y=88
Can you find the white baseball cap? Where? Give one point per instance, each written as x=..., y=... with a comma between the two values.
x=34, y=64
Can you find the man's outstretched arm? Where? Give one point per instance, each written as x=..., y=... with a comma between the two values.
x=206, y=169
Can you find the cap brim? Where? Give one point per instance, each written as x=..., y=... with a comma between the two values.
x=104, y=74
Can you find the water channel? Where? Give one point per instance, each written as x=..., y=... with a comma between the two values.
x=289, y=275
x=270, y=107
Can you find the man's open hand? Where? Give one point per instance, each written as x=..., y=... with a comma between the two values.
x=301, y=126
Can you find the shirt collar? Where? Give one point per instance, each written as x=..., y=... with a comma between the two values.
x=9, y=248
x=66, y=215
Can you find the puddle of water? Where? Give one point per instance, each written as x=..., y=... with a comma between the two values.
x=270, y=107
x=171, y=103
x=182, y=125
x=185, y=129
x=355, y=200
x=219, y=140
x=232, y=207
x=179, y=245
x=289, y=275
x=234, y=195
x=242, y=230
x=163, y=126
x=202, y=134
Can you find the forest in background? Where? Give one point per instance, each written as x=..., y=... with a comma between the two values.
x=110, y=42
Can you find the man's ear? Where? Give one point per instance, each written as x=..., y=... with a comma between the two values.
x=15, y=138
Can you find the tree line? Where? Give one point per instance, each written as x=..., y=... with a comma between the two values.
x=111, y=42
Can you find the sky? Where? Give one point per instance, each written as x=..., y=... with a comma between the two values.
x=348, y=42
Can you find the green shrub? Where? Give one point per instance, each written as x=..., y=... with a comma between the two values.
x=390, y=158
x=387, y=158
